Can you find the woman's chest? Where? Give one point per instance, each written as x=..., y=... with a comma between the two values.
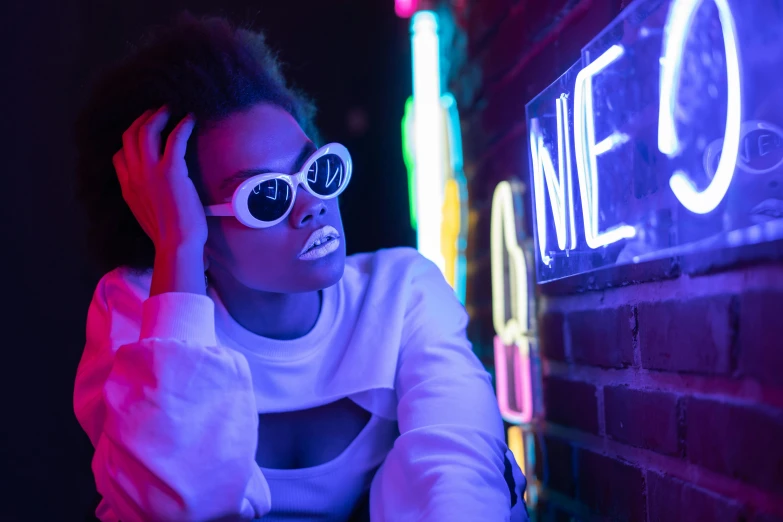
x=308, y=438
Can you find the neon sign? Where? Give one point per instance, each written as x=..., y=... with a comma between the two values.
x=644, y=137
x=587, y=150
x=432, y=149
x=512, y=317
x=427, y=122
x=761, y=149
x=512, y=342
x=677, y=29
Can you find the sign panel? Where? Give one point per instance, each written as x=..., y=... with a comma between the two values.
x=665, y=138
x=513, y=314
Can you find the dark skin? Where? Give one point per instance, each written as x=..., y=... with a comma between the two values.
x=264, y=285
x=257, y=272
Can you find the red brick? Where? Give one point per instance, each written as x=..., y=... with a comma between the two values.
x=480, y=287
x=610, y=487
x=571, y=403
x=472, y=134
x=672, y=500
x=643, y=419
x=479, y=236
x=550, y=336
x=519, y=32
x=602, y=337
x=742, y=442
x=486, y=18
x=761, y=337
x=507, y=160
x=506, y=100
x=687, y=336
x=505, y=106
x=559, y=467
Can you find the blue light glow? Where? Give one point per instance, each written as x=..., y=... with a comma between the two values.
x=561, y=194
x=665, y=164
x=428, y=125
x=678, y=25
x=587, y=150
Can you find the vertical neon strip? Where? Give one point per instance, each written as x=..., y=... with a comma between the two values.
x=678, y=25
x=561, y=195
x=586, y=153
x=512, y=332
x=504, y=238
x=519, y=359
x=429, y=134
x=459, y=190
x=564, y=157
x=512, y=342
x=450, y=230
x=450, y=213
x=531, y=493
x=516, y=444
x=453, y=232
x=408, y=157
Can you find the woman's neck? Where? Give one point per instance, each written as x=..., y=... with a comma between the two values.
x=272, y=315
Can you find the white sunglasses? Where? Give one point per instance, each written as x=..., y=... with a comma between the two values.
x=266, y=199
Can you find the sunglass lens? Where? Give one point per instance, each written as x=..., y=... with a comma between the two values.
x=326, y=176
x=269, y=200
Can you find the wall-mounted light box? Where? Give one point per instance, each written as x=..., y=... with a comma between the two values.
x=664, y=139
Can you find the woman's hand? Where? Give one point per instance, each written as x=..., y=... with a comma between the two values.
x=164, y=201
x=156, y=186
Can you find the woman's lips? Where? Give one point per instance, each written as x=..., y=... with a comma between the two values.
x=320, y=251
x=320, y=238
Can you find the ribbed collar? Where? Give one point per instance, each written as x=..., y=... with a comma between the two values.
x=256, y=346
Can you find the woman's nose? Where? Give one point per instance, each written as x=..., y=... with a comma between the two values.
x=306, y=208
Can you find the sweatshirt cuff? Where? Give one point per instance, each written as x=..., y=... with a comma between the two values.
x=180, y=316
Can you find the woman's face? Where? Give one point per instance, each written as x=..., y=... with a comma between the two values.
x=267, y=259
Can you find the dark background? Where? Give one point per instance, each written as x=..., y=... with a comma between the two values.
x=351, y=56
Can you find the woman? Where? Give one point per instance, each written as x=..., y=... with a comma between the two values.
x=237, y=364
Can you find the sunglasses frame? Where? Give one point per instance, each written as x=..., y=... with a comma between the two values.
x=238, y=207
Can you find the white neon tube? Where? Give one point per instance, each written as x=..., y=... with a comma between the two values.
x=512, y=343
x=504, y=238
x=564, y=157
x=429, y=136
x=560, y=189
x=607, y=144
x=678, y=25
x=587, y=149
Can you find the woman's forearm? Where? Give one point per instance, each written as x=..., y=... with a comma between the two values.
x=179, y=270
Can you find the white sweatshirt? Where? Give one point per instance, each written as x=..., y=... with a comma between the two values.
x=169, y=390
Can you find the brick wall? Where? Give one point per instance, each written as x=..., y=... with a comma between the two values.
x=664, y=400
x=662, y=390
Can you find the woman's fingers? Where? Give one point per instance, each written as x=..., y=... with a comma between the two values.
x=149, y=136
x=157, y=189
x=177, y=142
x=130, y=141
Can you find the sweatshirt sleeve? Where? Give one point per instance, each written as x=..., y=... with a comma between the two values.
x=450, y=461
x=171, y=414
